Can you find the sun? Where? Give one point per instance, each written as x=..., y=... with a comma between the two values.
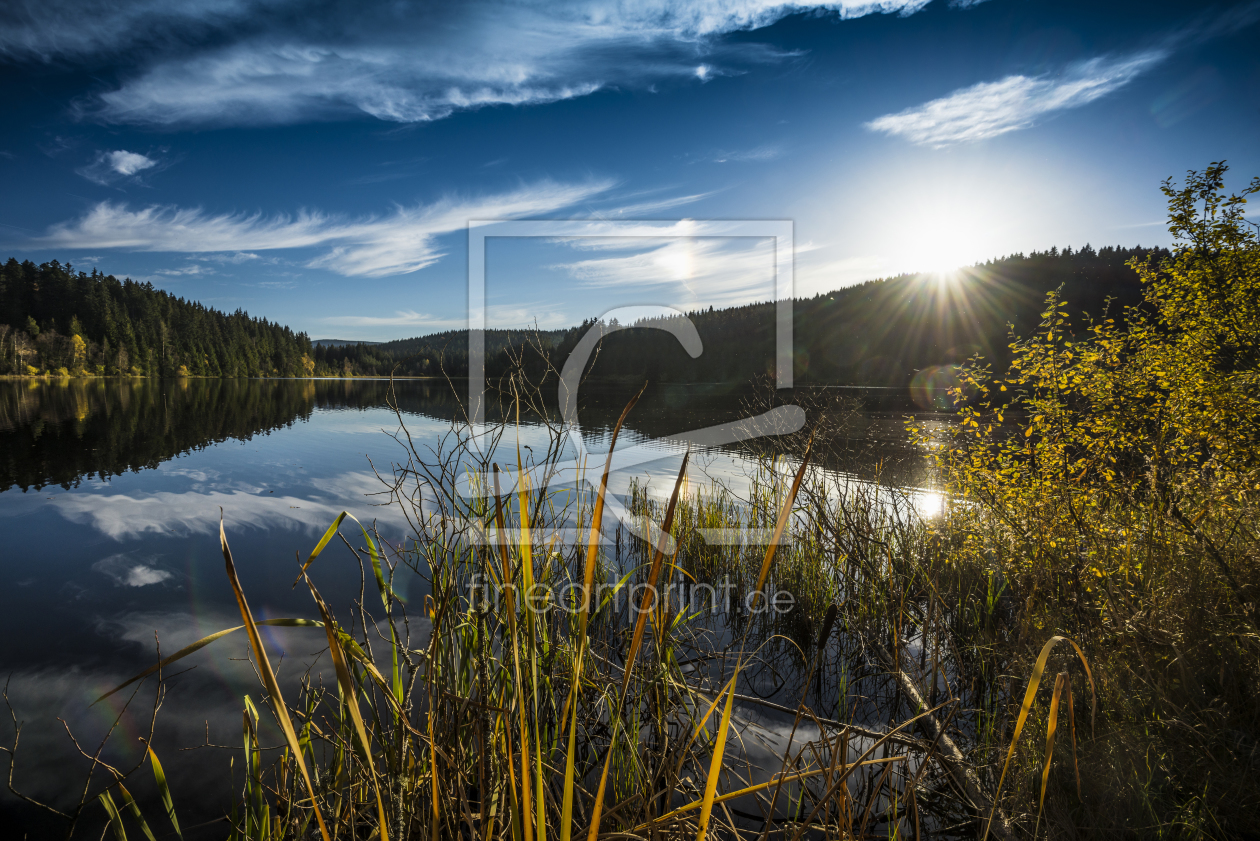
x=946, y=234
x=941, y=243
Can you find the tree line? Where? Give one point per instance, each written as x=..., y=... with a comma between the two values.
x=56, y=321
x=884, y=332
x=891, y=332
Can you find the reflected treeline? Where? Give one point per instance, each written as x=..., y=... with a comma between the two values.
x=61, y=431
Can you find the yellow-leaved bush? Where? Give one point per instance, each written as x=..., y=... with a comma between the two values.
x=1121, y=455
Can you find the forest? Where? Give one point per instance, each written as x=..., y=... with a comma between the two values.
x=55, y=321
x=909, y=330
x=879, y=333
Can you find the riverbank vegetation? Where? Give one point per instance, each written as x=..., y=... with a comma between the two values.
x=1059, y=640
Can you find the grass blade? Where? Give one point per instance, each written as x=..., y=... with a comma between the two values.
x=1072, y=721
x=637, y=640
x=785, y=514
x=1030, y=694
x=510, y=602
x=269, y=677
x=115, y=819
x=719, y=748
x=650, y=594
x=1051, y=726
x=715, y=764
x=323, y=542
x=202, y=643
x=352, y=702
x=588, y=584
x=130, y=803
x=165, y=790
x=756, y=787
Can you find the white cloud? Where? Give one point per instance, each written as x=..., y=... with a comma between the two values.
x=400, y=318
x=993, y=108
x=375, y=246
x=127, y=571
x=821, y=275
x=186, y=270
x=110, y=167
x=526, y=316
x=123, y=516
x=643, y=210
x=692, y=271
x=235, y=259
x=208, y=61
x=81, y=28
x=513, y=317
x=128, y=163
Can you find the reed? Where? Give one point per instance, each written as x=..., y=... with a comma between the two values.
x=897, y=670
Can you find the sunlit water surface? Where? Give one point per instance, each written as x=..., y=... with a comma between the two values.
x=110, y=499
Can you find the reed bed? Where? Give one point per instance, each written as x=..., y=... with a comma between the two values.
x=867, y=671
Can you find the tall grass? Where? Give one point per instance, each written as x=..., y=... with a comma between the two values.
x=898, y=695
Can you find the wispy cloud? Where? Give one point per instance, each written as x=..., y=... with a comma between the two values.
x=123, y=516
x=190, y=270
x=645, y=209
x=110, y=167
x=690, y=271
x=376, y=246
x=400, y=318
x=129, y=571
x=990, y=109
x=504, y=317
x=266, y=61
x=755, y=155
x=235, y=259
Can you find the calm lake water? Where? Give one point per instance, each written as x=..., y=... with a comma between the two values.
x=110, y=497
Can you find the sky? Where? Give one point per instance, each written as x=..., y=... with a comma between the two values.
x=319, y=164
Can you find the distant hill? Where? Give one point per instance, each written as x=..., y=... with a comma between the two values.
x=878, y=333
x=340, y=342
x=891, y=332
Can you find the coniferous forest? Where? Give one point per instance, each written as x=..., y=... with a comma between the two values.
x=56, y=321
x=892, y=332
x=878, y=333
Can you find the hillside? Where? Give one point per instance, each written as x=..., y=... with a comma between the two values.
x=890, y=332
x=879, y=333
x=55, y=320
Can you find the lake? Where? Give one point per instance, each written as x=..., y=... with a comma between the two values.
x=110, y=498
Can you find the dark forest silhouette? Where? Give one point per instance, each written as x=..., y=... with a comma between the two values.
x=885, y=332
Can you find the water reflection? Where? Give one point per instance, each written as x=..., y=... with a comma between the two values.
x=61, y=432
x=111, y=493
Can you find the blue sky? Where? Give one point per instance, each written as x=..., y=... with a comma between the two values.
x=318, y=163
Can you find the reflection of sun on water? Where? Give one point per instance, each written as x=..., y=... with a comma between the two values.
x=929, y=504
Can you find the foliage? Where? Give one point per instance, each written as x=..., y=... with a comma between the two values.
x=1100, y=492
x=1111, y=476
